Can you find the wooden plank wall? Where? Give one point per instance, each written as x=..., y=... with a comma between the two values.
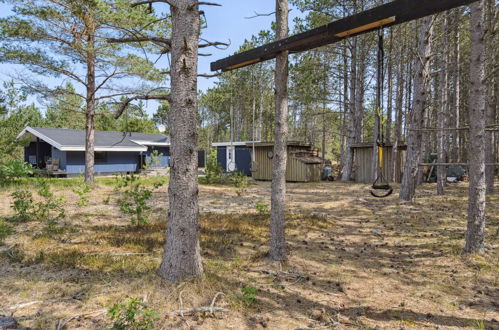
x=363, y=164
x=296, y=171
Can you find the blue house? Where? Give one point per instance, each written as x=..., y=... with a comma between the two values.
x=63, y=150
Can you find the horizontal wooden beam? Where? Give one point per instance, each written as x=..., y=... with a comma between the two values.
x=367, y=27
x=454, y=164
x=490, y=128
x=392, y=13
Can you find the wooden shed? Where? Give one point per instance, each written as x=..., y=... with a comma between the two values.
x=303, y=164
x=363, y=162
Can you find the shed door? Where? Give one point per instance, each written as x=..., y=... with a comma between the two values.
x=243, y=160
x=222, y=157
x=231, y=159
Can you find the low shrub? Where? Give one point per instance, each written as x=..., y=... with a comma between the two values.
x=134, y=199
x=261, y=208
x=23, y=205
x=14, y=169
x=5, y=230
x=82, y=192
x=249, y=295
x=132, y=314
x=213, y=169
x=51, y=208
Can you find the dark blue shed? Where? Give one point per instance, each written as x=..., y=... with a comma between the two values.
x=234, y=156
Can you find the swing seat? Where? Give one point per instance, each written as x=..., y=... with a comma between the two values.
x=387, y=188
x=381, y=189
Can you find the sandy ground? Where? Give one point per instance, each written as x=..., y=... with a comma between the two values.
x=355, y=262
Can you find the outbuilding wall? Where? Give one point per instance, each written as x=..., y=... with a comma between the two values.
x=296, y=170
x=363, y=164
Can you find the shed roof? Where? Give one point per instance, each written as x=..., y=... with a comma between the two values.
x=370, y=145
x=290, y=144
x=74, y=140
x=236, y=144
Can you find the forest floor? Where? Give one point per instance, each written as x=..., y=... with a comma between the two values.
x=355, y=262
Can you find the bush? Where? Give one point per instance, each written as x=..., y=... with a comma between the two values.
x=261, y=208
x=82, y=191
x=134, y=200
x=23, y=205
x=154, y=161
x=51, y=208
x=249, y=295
x=14, y=169
x=238, y=179
x=213, y=169
x=5, y=230
x=133, y=314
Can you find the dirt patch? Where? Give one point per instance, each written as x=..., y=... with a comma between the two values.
x=355, y=262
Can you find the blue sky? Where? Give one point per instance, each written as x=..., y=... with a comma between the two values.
x=226, y=23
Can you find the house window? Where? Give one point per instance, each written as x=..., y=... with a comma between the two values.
x=100, y=156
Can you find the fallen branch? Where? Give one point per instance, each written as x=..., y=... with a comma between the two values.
x=62, y=322
x=204, y=309
x=119, y=254
x=26, y=304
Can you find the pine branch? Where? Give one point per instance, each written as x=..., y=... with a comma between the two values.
x=216, y=44
x=207, y=75
x=125, y=104
x=148, y=2
x=204, y=3
x=164, y=41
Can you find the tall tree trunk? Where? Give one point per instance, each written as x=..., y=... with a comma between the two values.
x=442, y=112
x=490, y=52
x=421, y=68
x=475, y=233
x=346, y=172
x=182, y=256
x=260, y=110
x=459, y=140
x=398, y=110
x=90, y=103
x=389, y=99
x=278, y=199
x=344, y=108
x=454, y=72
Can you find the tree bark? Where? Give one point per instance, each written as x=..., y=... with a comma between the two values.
x=421, y=79
x=398, y=110
x=90, y=103
x=490, y=52
x=443, y=113
x=475, y=233
x=278, y=250
x=389, y=99
x=182, y=256
x=346, y=172
x=344, y=107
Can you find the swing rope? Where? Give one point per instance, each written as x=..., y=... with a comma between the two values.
x=381, y=183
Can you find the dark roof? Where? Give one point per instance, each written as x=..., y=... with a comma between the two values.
x=62, y=138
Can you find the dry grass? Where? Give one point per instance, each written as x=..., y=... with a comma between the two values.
x=355, y=262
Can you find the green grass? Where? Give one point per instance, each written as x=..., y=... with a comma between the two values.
x=78, y=181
